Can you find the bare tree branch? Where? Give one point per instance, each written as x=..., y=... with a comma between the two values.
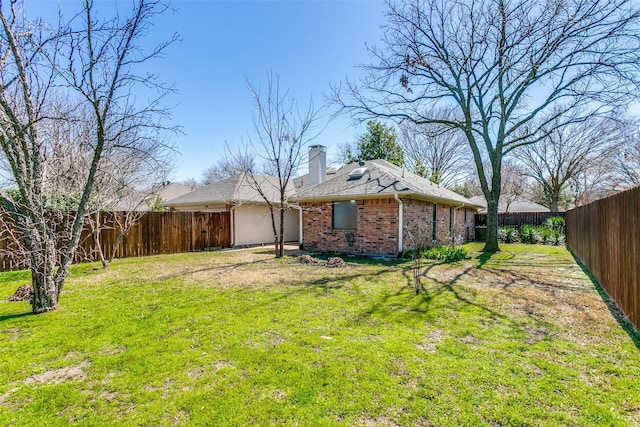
x=502, y=66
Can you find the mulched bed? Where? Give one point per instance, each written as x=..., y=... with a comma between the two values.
x=334, y=262
x=23, y=293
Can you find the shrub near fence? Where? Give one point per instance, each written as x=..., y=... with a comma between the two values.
x=518, y=219
x=605, y=237
x=153, y=233
x=513, y=219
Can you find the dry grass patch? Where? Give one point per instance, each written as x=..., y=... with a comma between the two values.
x=57, y=376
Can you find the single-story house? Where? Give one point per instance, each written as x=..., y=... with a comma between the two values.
x=143, y=200
x=377, y=208
x=373, y=208
x=249, y=214
x=516, y=206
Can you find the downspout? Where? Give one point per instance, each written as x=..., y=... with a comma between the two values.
x=300, y=241
x=232, y=217
x=454, y=222
x=400, y=222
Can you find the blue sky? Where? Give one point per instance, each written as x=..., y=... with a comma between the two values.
x=309, y=44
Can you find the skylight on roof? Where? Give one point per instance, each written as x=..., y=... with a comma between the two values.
x=358, y=172
x=334, y=169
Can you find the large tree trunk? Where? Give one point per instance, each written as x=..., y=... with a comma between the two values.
x=46, y=291
x=554, y=202
x=491, y=244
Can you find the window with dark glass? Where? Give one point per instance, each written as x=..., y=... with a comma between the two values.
x=451, y=220
x=344, y=215
x=435, y=222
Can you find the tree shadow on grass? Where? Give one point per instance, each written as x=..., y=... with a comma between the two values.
x=615, y=311
x=459, y=297
x=485, y=257
x=421, y=303
x=4, y=317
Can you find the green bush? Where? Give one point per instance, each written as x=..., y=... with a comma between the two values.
x=555, y=223
x=529, y=234
x=508, y=235
x=551, y=232
x=545, y=235
x=446, y=253
x=557, y=237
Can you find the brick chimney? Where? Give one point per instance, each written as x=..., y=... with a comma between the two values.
x=317, y=164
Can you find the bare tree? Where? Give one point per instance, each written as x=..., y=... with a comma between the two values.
x=569, y=151
x=514, y=183
x=421, y=239
x=26, y=81
x=228, y=166
x=627, y=161
x=97, y=61
x=501, y=66
x=436, y=152
x=281, y=131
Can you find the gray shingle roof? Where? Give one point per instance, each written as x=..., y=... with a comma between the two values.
x=234, y=190
x=381, y=179
x=520, y=205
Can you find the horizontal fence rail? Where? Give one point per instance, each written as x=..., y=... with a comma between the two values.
x=518, y=219
x=150, y=233
x=605, y=237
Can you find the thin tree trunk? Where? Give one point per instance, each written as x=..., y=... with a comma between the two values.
x=281, y=251
x=96, y=239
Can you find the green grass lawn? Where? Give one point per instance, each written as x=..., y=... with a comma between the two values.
x=238, y=338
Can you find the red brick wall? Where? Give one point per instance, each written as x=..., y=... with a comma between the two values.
x=377, y=226
x=376, y=232
x=418, y=220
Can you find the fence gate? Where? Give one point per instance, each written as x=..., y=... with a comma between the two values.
x=211, y=230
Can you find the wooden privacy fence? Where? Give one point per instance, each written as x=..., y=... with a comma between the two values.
x=605, y=237
x=513, y=219
x=518, y=219
x=152, y=233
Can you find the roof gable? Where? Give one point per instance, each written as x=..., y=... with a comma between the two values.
x=380, y=179
x=237, y=189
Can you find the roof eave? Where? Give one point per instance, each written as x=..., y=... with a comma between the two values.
x=402, y=194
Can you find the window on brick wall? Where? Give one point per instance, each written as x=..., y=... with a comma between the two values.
x=344, y=215
x=434, y=236
x=450, y=221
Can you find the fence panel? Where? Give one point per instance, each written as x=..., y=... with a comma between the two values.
x=152, y=233
x=518, y=219
x=605, y=237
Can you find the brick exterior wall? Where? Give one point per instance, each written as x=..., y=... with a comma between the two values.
x=376, y=230
x=418, y=223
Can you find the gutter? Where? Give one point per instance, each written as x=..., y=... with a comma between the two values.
x=400, y=222
x=408, y=194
